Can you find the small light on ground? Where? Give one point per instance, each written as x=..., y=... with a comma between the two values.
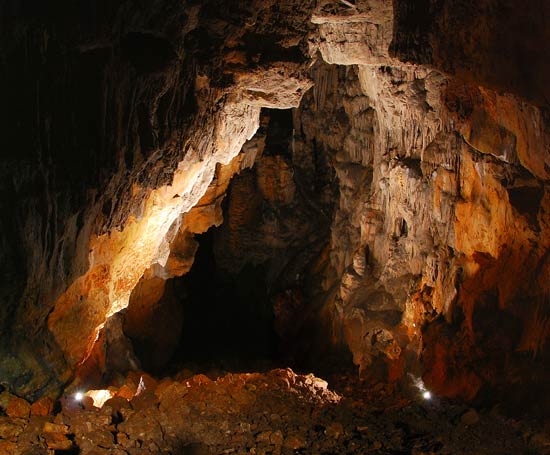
x=78, y=396
x=427, y=395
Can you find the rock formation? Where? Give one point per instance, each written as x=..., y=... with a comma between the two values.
x=399, y=212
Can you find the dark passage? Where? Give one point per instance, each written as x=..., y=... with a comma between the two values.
x=228, y=320
x=250, y=298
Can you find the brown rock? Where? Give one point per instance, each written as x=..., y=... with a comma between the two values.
x=55, y=428
x=295, y=441
x=145, y=400
x=142, y=381
x=88, y=403
x=243, y=397
x=42, y=407
x=154, y=317
x=118, y=451
x=89, y=421
x=9, y=429
x=58, y=441
x=87, y=448
x=124, y=441
x=126, y=392
x=275, y=179
x=100, y=419
x=70, y=405
x=100, y=438
x=335, y=430
x=540, y=439
x=264, y=436
x=170, y=393
x=27, y=440
x=5, y=398
x=126, y=413
x=162, y=385
x=143, y=426
x=196, y=449
x=276, y=438
x=8, y=448
x=470, y=417
x=61, y=419
x=200, y=379
x=116, y=404
x=18, y=407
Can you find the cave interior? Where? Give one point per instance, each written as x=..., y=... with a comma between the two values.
x=275, y=227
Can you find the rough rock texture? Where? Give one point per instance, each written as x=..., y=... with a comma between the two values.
x=154, y=305
x=277, y=412
x=411, y=198
x=429, y=222
x=119, y=130
x=492, y=43
x=431, y=243
x=277, y=220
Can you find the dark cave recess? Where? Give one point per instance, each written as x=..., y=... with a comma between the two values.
x=227, y=320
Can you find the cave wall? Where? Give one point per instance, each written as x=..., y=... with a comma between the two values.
x=115, y=119
x=268, y=215
x=440, y=269
x=437, y=267
x=437, y=128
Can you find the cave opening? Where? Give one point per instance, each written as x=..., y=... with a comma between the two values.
x=228, y=319
x=243, y=300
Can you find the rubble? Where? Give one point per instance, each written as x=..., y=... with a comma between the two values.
x=277, y=412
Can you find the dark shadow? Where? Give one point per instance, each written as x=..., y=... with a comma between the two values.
x=228, y=321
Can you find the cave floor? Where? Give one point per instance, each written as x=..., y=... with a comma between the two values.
x=277, y=412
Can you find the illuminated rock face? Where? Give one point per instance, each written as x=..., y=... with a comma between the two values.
x=431, y=248
x=430, y=245
x=119, y=135
x=118, y=260
x=434, y=223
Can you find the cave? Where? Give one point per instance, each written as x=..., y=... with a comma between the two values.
x=241, y=319
x=237, y=304
x=275, y=227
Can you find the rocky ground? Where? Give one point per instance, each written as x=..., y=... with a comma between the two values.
x=277, y=412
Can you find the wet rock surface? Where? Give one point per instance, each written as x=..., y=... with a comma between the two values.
x=277, y=412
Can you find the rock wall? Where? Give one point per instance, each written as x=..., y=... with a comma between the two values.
x=115, y=119
x=121, y=129
x=429, y=231
x=428, y=236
